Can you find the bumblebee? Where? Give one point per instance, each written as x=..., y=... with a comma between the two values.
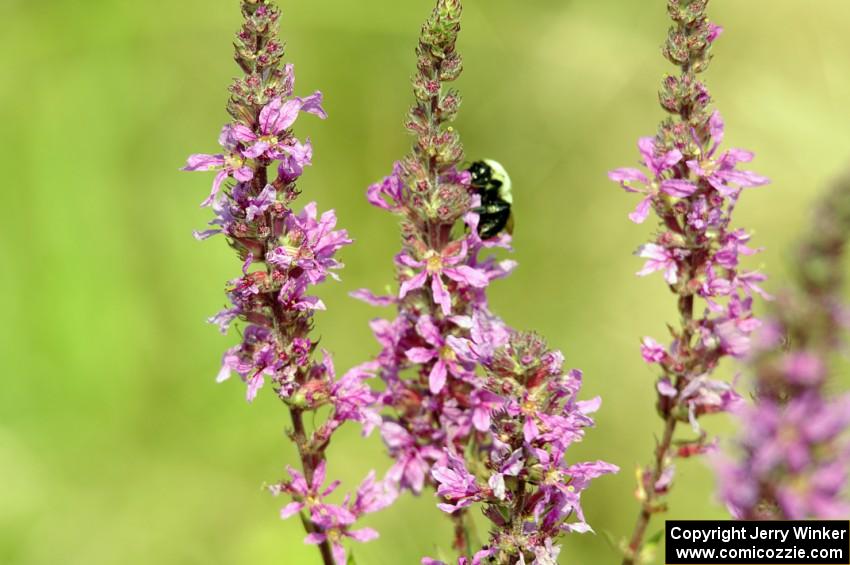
x=492, y=183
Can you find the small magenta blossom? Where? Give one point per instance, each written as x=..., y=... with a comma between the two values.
x=273, y=141
x=333, y=521
x=304, y=492
x=791, y=457
x=310, y=245
x=412, y=460
x=658, y=165
x=283, y=255
x=443, y=355
x=692, y=187
x=229, y=165
x=659, y=258
x=456, y=485
x=435, y=265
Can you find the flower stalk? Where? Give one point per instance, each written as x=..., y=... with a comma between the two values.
x=692, y=189
x=284, y=254
x=434, y=399
x=451, y=366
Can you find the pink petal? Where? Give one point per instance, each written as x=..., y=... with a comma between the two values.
x=426, y=328
x=243, y=133
x=299, y=483
x=696, y=167
x=670, y=158
x=313, y=105
x=243, y=174
x=315, y=538
x=420, y=354
x=223, y=374
x=291, y=509
x=276, y=116
x=339, y=553
x=481, y=419
x=678, y=188
x=665, y=388
x=744, y=179
x=319, y=475
x=216, y=186
x=589, y=406
x=412, y=284
x=715, y=123
x=468, y=275
x=202, y=162
x=641, y=211
x=437, y=378
x=646, y=146
x=441, y=295
x=369, y=297
x=627, y=175
x=737, y=156
x=529, y=430
x=205, y=234
x=363, y=535
x=409, y=261
x=652, y=251
x=256, y=150
x=254, y=385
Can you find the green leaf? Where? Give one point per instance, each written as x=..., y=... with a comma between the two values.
x=655, y=538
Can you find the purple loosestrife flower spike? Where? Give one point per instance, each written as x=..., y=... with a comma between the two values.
x=435, y=401
x=527, y=489
x=792, y=459
x=439, y=407
x=692, y=187
x=284, y=253
x=443, y=419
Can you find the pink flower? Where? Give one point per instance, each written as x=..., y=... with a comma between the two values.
x=372, y=496
x=272, y=140
x=412, y=460
x=714, y=31
x=353, y=399
x=230, y=165
x=703, y=395
x=257, y=206
x=658, y=259
x=658, y=165
x=652, y=351
x=390, y=187
x=721, y=172
x=310, y=244
x=440, y=352
x=303, y=492
x=435, y=265
x=455, y=484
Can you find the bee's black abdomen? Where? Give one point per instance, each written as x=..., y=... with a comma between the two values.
x=491, y=224
x=494, y=212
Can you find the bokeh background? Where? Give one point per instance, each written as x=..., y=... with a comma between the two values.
x=116, y=445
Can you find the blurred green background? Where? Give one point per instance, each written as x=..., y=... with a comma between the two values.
x=116, y=445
